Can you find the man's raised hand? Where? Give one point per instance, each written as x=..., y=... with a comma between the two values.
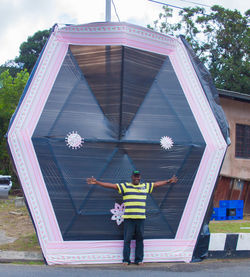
x=91, y=181
x=174, y=179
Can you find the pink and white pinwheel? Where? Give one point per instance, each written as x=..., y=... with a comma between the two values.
x=118, y=212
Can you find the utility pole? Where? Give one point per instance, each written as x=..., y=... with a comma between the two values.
x=108, y=10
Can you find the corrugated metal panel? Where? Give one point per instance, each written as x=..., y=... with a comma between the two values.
x=222, y=191
x=247, y=198
x=233, y=189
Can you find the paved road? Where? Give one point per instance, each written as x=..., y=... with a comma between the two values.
x=226, y=268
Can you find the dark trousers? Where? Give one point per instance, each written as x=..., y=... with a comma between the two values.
x=133, y=227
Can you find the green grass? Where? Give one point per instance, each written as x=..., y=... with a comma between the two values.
x=6, y=205
x=28, y=263
x=25, y=243
x=229, y=226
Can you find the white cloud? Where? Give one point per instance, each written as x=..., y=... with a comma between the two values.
x=22, y=18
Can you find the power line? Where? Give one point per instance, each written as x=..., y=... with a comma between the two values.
x=173, y=6
x=158, y=2
x=199, y=4
x=115, y=10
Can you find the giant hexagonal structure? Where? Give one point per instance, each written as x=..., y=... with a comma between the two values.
x=105, y=99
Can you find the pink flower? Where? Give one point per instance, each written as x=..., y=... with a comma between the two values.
x=118, y=213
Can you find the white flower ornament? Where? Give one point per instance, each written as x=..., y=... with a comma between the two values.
x=118, y=212
x=166, y=142
x=74, y=140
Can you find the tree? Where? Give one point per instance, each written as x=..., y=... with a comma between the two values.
x=220, y=39
x=29, y=50
x=10, y=92
x=12, y=82
x=12, y=66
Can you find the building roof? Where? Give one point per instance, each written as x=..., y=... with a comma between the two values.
x=234, y=95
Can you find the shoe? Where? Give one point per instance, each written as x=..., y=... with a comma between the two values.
x=139, y=263
x=125, y=263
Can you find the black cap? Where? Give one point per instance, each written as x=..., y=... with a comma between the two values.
x=136, y=172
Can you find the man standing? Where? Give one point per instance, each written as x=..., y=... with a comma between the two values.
x=134, y=198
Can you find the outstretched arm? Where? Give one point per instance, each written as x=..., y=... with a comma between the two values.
x=93, y=181
x=174, y=179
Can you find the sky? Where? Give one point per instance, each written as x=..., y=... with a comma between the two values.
x=20, y=19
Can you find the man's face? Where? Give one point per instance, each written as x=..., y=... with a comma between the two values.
x=136, y=179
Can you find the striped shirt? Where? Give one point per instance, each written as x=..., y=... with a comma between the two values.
x=134, y=198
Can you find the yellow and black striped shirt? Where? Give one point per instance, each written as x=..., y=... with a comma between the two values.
x=134, y=198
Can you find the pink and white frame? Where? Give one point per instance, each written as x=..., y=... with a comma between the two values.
x=55, y=249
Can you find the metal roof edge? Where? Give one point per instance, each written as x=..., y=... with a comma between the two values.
x=234, y=95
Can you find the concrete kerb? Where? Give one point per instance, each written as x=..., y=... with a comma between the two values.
x=20, y=256
x=229, y=245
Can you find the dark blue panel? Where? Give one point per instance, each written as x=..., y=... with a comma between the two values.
x=169, y=86
x=145, y=110
x=102, y=69
x=71, y=106
x=165, y=112
x=210, y=90
x=139, y=71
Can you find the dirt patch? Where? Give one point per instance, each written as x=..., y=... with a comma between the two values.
x=16, y=227
x=5, y=239
x=15, y=221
